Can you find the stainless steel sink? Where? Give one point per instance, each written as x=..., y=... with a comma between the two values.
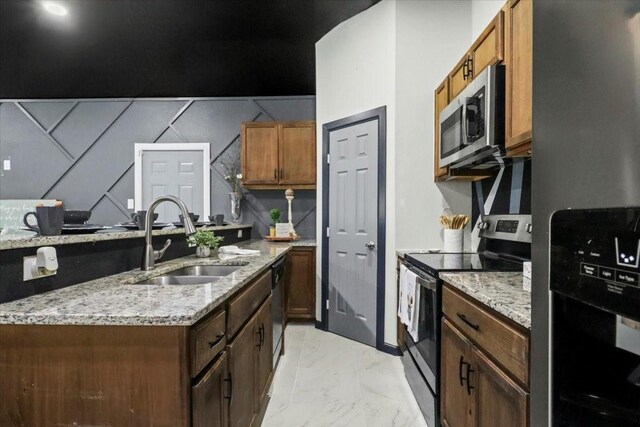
x=206, y=270
x=194, y=275
x=179, y=280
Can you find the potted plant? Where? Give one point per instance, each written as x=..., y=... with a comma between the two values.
x=204, y=241
x=275, y=218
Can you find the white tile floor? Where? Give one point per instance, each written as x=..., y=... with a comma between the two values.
x=327, y=380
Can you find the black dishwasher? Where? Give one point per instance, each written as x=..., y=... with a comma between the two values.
x=277, y=307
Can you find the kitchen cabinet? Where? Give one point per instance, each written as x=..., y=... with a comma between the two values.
x=519, y=77
x=484, y=366
x=488, y=49
x=263, y=352
x=242, y=374
x=300, y=282
x=441, y=97
x=209, y=405
x=278, y=155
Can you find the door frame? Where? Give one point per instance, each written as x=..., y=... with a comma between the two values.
x=379, y=114
x=204, y=147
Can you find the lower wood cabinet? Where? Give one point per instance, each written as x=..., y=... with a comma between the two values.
x=476, y=389
x=263, y=352
x=209, y=396
x=300, y=282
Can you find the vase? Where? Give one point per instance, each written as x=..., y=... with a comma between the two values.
x=236, y=205
x=203, y=251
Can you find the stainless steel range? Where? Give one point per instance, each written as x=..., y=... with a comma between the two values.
x=505, y=245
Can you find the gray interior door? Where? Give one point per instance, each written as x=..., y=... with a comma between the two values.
x=176, y=173
x=353, y=222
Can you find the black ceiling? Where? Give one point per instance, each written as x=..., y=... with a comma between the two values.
x=127, y=48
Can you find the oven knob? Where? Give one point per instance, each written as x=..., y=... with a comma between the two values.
x=484, y=225
x=528, y=228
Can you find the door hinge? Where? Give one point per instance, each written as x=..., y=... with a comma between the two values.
x=327, y=231
x=328, y=159
x=327, y=304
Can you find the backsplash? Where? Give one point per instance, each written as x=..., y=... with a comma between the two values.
x=507, y=192
x=81, y=150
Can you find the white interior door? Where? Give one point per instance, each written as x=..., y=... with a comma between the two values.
x=180, y=170
x=353, y=226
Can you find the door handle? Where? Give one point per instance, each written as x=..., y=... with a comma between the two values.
x=275, y=173
x=281, y=173
x=370, y=245
x=230, y=381
x=469, y=386
x=216, y=340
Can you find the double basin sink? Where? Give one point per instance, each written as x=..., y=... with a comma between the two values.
x=194, y=275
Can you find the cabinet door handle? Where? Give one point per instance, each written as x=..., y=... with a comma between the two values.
x=275, y=173
x=215, y=342
x=229, y=380
x=469, y=67
x=259, y=336
x=465, y=320
x=465, y=69
x=281, y=173
x=263, y=334
x=469, y=386
x=460, y=367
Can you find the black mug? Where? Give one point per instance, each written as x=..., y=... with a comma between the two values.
x=49, y=219
x=194, y=218
x=217, y=220
x=140, y=218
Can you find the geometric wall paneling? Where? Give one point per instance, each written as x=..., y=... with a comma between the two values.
x=98, y=136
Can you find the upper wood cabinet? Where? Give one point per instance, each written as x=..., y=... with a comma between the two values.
x=488, y=49
x=441, y=97
x=519, y=77
x=300, y=282
x=278, y=155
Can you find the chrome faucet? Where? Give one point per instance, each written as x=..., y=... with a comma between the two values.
x=149, y=256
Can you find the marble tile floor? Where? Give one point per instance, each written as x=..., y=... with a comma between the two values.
x=326, y=380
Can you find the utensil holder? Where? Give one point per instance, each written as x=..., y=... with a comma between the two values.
x=453, y=240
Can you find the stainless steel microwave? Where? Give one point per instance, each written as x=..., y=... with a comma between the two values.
x=472, y=125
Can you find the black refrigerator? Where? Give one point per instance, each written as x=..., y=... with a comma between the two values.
x=586, y=136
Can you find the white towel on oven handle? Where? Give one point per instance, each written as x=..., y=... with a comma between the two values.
x=413, y=301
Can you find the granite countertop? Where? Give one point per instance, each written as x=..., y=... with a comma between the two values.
x=501, y=291
x=117, y=300
x=30, y=242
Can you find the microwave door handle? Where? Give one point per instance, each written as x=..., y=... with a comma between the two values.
x=465, y=123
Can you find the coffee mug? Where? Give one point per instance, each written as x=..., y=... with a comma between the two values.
x=140, y=218
x=193, y=216
x=217, y=220
x=49, y=220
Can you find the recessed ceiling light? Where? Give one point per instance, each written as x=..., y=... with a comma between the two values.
x=54, y=8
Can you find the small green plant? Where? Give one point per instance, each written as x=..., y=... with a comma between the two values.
x=205, y=238
x=275, y=216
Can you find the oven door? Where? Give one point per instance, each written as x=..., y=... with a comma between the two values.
x=425, y=349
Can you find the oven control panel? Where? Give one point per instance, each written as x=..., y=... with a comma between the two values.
x=595, y=257
x=515, y=228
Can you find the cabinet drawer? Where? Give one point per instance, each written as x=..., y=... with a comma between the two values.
x=508, y=346
x=247, y=302
x=207, y=340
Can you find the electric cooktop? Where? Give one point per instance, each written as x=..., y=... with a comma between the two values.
x=441, y=262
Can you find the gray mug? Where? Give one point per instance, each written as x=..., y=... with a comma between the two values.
x=49, y=220
x=217, y=220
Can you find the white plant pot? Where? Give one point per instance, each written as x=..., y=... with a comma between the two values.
x=453, y=240
x=203, y=251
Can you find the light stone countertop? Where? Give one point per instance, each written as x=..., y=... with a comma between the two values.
x=117, y=300
x=66, y=239
x=501, y=291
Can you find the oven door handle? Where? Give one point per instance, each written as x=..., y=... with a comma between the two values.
x=426, y=283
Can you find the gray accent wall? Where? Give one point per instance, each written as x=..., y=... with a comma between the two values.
x=81, y=150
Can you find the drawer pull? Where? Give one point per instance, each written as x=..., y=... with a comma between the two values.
x=216, y=341
x=465, y=320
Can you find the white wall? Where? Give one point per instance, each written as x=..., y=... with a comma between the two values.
x=482, y=12
x=355, y=72
x=395, y=54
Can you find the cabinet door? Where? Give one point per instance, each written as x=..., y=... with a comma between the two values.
x=209, y=405
x=441, y=100
x=498, y=400
x=456, y=404
x=242, y=374
x=259, y=154
x=264, y=351
x=519, y=78
x=488, y=49
x=458, y=78
x=297, y=153
x=300, y=282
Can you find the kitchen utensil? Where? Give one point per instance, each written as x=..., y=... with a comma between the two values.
x=217, y=220
x=49, y=220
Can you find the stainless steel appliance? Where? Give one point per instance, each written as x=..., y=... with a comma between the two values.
x=472, y=125
x=277, y=307
x=586, y=104
x=506, y=243
x=594, y=278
